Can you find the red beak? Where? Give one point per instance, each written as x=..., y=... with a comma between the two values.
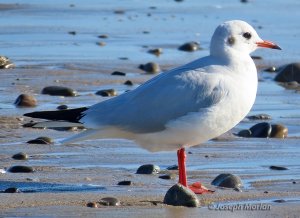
x=268, y=44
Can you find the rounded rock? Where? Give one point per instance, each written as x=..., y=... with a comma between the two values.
x=41, y=140
x=179, y=195
x=189, y=46
x=260, y=117
x=25, y=100
x=107, y=92
x=167, y=176
x=156, y=51
x=279, y=131
x=173, y=167
x=261, y=130
x=148, y=169
x=103, y=36
x=20, y=169
x=278, y=168
x=150, y=68
x=125, y=182
x=12, y=190
x=59, y=91
x=20, y=156
x=289, y=73
x=271, y=69
x=92, y=204
x=118, y=73
x=110, y=201
x=227, y=180
x=5, y=63
x=128, y=83
x=62, y=107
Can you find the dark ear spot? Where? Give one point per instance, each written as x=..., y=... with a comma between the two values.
x=231, y=40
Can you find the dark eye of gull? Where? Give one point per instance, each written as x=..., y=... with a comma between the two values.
x=247, y=35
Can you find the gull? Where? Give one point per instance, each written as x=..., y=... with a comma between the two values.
x=182, y=107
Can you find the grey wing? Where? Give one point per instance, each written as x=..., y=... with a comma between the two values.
x=151, y=106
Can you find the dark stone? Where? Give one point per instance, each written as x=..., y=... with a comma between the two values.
x=125, y=182
x=189, y=46
x=5, y=63
x=59, y=91
x=20, y=156
x=41, y=140
x=289, y=73
x=245, y=133
x=156, y=51
x=119, y=11
x=148, y=169
x=103, y=36
x=266, y=192
x=20, y=169
x=150, y=68
x=107, y=92
x=167, y=176
x=261, y=130
x=62, y=107
x=278, y=168
x=72, y=33
x=280, y=201
x=92, y=205
x=260, y=117
x=101, y=43
x=178, y=195
x=25, y=100
x=173, y=167
x=128, y=83
x=110, y=201
x=279, y=131
x=271, y=69
x=118, y=73
x=12, y=190
x=244, y=1
x=227, y=180
x=256, y=57
x=294, y=182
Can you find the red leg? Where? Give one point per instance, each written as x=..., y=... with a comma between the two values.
x=197, y=187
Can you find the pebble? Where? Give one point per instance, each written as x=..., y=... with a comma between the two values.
x=92, y=205
x=260, y=117
x=25, y=100
x=173, y=167
x=20, y=156
x=280, y=201
x=107, y=92
x=12, y=190
x=261, y=130
x=41, y=140
x=227, y=180
x=20, y=169
x=278, y=168
x=167, y=176
x=289, y=73
x=59, y=91
x=62, y=107
x=128, y=83
x=118, y=73
x=189, y=46
x=156, y=51
x=279, y=131
x=148, y=169
x=179, y=195
x=5, y=63
x=101, y=43
x=150, y=68
x=110, y=201
x=103, y=36
x=72, y=33
x=125, y=182
x=271, y=69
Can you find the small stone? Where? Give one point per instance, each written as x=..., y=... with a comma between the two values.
x=148, y=169
x=120, y=11
x=271, y=69
x=244, y=1
x=101, y=43
x=25, y=100
x=72, y=33
x=110, y=201
x=128, y=83
x=5, y=63
x=179, y=195
x=20, y=169
x=289, y=73
x=59, y=91
x=62, y=107
x=266, y=192
x=156, y=51
x=118, y=73
x=20, y=156
x=41, y=140
x=150, y=68
x=227, y=180
x=189, y=46
x=12, y=190
x=103, y=36
x=260, y=117
x=261, y=130
x=280, y=201
x=92, y=205
x=294, y=182
x=256, y=57
x=278, y=168
x=125, y=182
x=167, y=176
x=173, y=167
x=245, y=133
x=279, y=131
x=107, y=92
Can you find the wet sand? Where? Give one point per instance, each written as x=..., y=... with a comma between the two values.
x=67, y=177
